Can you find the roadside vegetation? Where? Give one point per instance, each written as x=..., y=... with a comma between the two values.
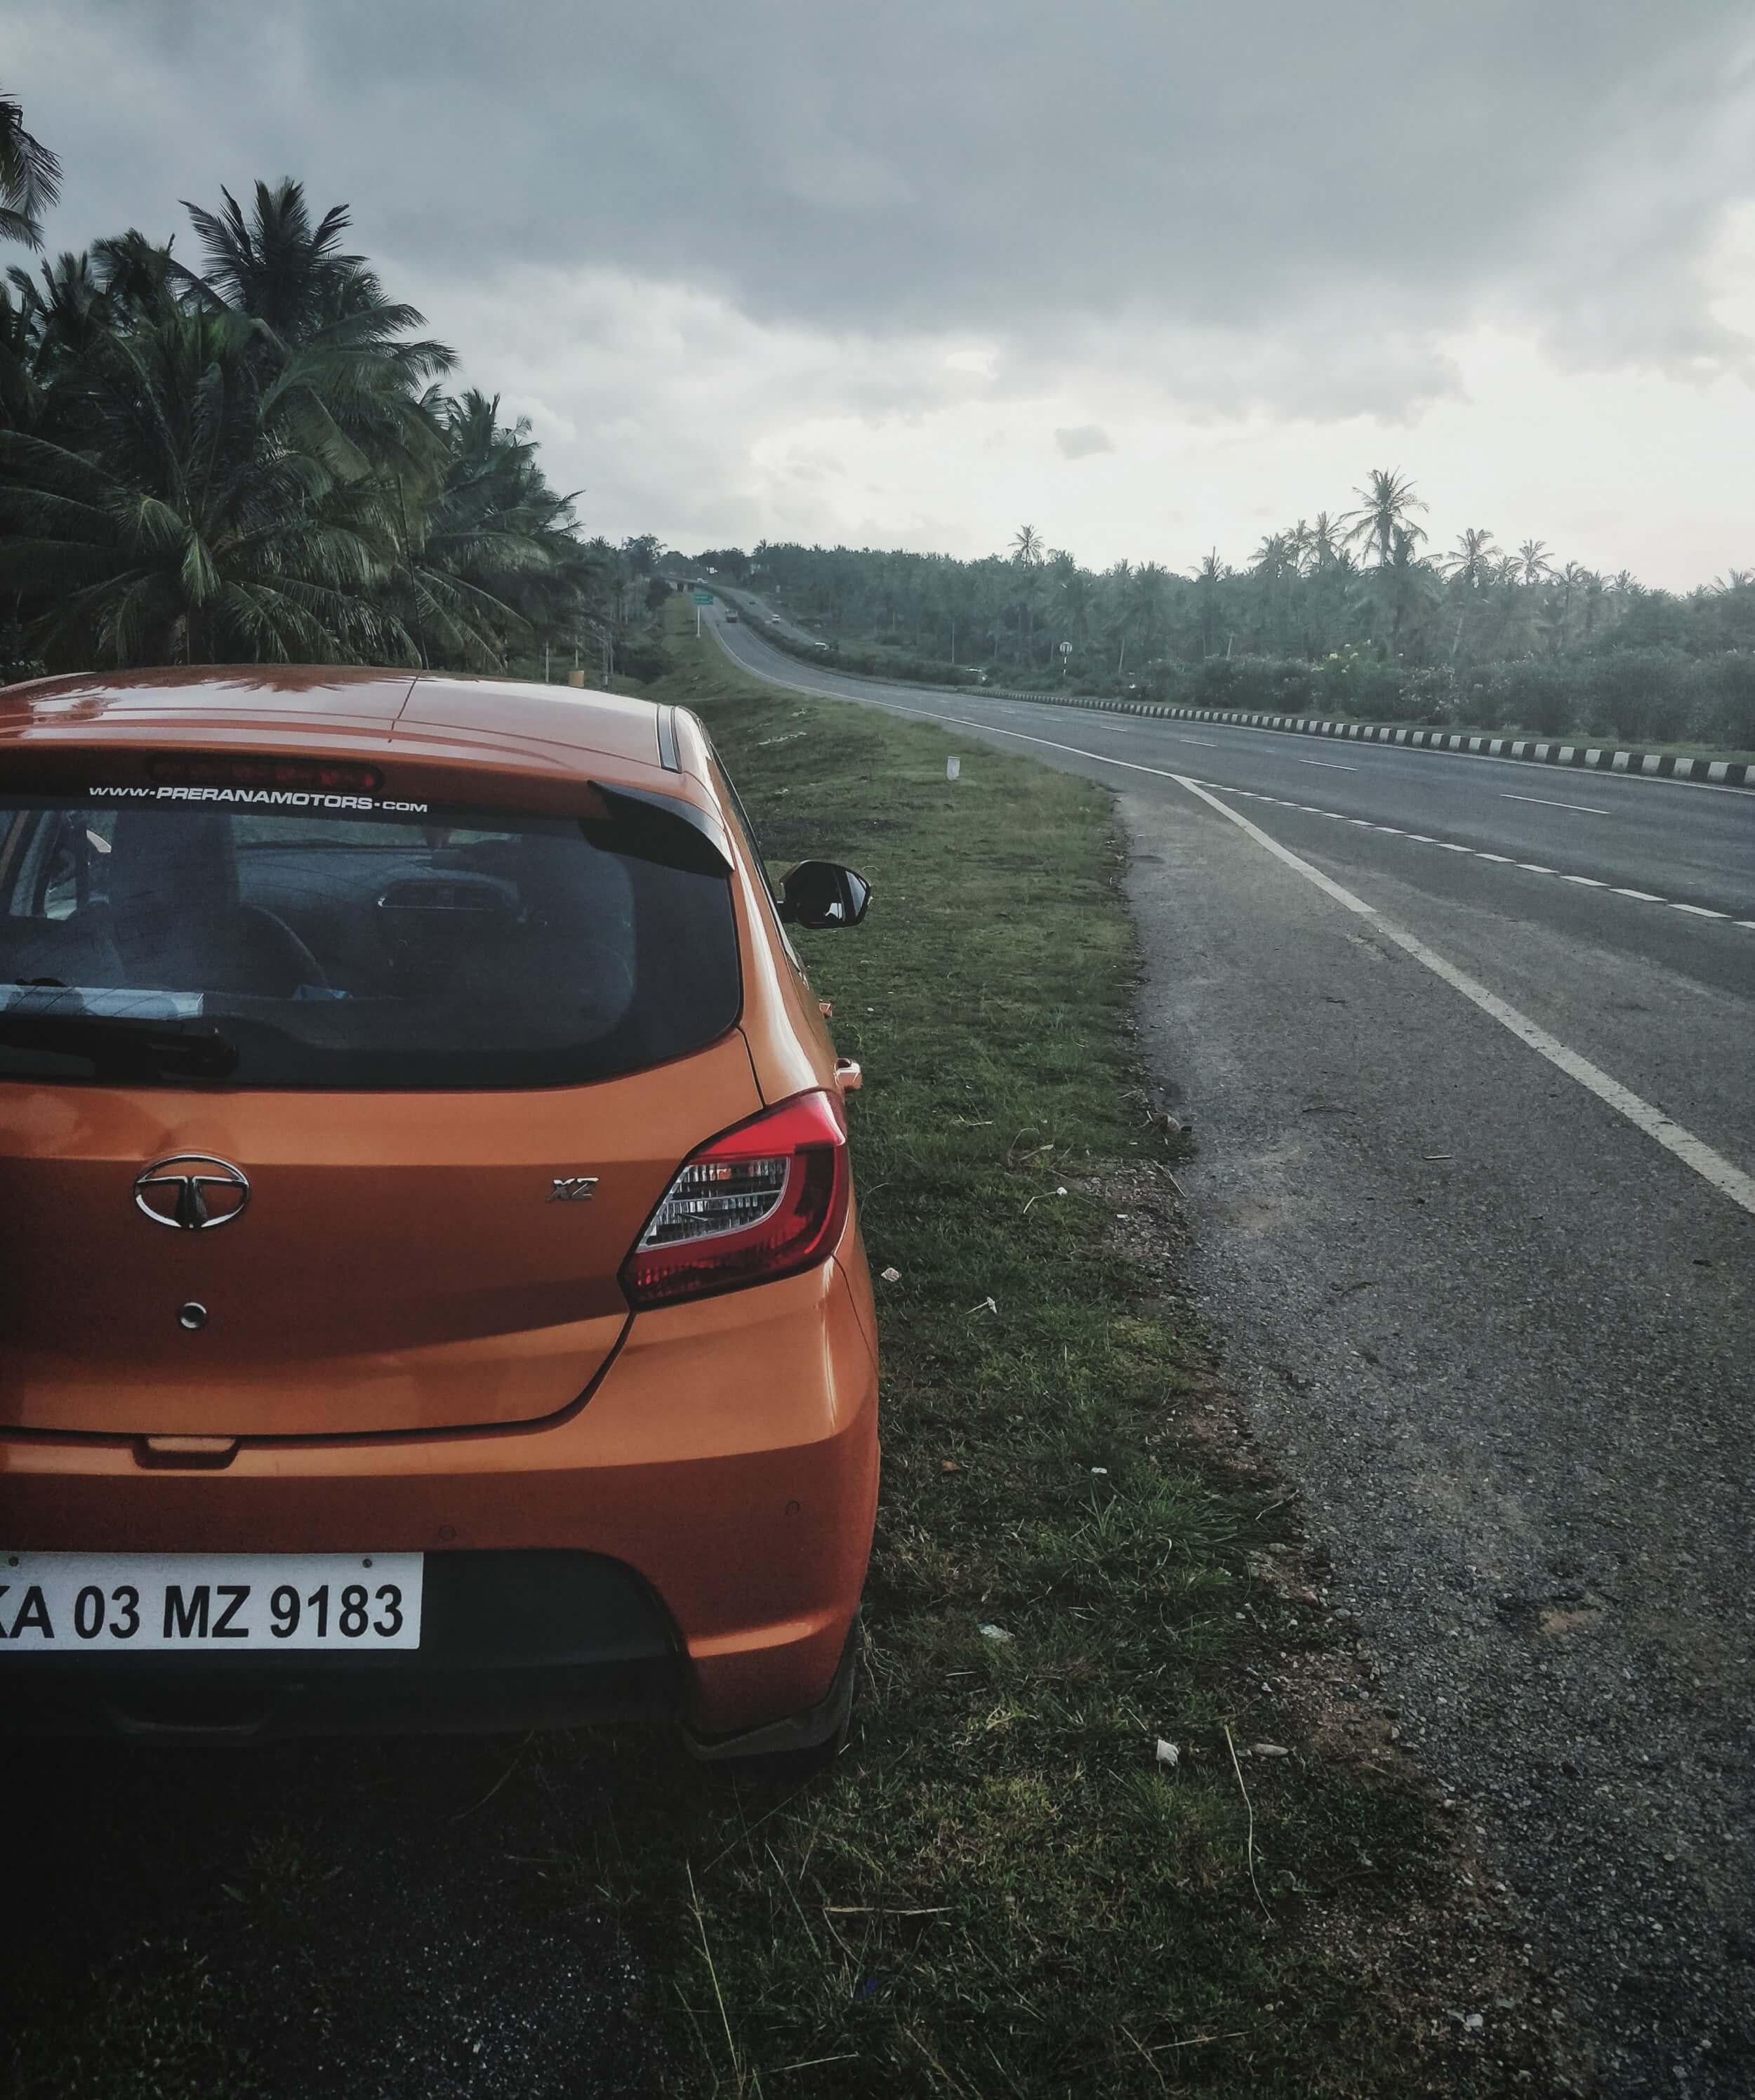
x=255, y=457
x=1117, y=1816
x=1348, y=615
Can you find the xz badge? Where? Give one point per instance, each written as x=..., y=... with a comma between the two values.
x=572, y=1188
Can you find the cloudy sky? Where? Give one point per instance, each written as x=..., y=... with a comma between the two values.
x=1152, y=275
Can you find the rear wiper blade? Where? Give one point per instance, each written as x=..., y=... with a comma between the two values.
x=125, y=1046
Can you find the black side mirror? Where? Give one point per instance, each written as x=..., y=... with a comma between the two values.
x=821, y=893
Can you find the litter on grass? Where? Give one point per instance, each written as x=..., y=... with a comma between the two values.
x=986, y=1305
x=995, y=1633
x=891, y=1275
x=1168, y=1753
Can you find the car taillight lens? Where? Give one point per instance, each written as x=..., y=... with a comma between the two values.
x=764, y=1200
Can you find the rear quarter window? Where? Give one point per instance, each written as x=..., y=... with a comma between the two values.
x=478, y=949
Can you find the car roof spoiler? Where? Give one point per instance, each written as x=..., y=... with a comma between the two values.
x=665, y=828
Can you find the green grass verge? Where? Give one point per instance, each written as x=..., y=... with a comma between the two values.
x=998, y=1889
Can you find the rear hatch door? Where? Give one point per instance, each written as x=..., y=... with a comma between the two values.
x=316, y=1127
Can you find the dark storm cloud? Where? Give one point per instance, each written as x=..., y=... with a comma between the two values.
x=1069, y=181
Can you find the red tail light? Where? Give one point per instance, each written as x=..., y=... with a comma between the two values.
x=765, y=1200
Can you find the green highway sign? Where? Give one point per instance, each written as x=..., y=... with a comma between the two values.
x=704, y=598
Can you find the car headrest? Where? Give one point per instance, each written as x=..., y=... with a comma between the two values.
x=168, y=867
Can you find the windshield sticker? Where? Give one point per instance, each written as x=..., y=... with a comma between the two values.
x=258, y=798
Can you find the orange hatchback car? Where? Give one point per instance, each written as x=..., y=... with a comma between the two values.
x=430, y=1294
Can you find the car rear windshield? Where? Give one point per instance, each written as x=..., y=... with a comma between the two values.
x=189, y=945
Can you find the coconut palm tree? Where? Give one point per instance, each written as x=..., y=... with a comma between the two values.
x=190, y=526
x=1405, y=589
x=294, y=276
x=1027, y=555
x=1533, y=565
x=1570, y=583
x=1150, y=594
x=1207, y=578
x=1470, y=561
x=496, y=555
x=1117, y=611
x=1274, y=568
x=1384, y=504
x=308, y=295
x=30, y=177
x=70, y=310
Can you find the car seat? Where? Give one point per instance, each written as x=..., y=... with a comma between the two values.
x=176, y=917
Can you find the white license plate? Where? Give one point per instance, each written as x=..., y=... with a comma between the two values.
x=220, y=1604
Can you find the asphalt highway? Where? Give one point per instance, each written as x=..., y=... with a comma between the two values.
x=1468, y=1046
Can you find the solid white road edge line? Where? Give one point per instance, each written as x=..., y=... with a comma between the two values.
x=1712, y=1166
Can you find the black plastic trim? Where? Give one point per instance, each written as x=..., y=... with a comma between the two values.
x=669, y=840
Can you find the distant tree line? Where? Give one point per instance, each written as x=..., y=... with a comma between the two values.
x=255, y=458
x=1345, y=615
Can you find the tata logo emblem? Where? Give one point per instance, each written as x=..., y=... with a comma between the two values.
x=573, y=1188
x=192, y=1192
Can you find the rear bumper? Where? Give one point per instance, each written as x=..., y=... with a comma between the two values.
x=690, y=1542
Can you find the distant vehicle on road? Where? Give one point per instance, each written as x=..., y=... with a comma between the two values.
x=731, y=619
x=430, y=1290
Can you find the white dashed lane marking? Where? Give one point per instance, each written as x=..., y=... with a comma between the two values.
x=1329, y=766
x=1584, y=808
x=1478, y=853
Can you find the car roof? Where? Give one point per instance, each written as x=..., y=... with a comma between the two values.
x=498, y=722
